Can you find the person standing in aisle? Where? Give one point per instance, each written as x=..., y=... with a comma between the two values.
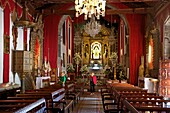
x=93, y=81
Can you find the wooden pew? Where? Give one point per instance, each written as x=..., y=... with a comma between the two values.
x=112, y=104
x=59, y=101
x=55, y=100
x=10, y=105
x=147, y=103
x=145, y=97
x=128, y=108
x=153, y=109
x=70, y=90
x=38, y=106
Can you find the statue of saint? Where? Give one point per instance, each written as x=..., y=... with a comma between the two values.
x=141, y=67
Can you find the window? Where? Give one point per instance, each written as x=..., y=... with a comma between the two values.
x=64, y=32
x=69, y=36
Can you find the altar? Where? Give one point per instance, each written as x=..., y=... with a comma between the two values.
x=39, y=81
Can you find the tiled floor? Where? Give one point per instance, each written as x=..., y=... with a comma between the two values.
x=89, y=103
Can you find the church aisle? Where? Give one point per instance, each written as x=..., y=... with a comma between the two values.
x=89, y=103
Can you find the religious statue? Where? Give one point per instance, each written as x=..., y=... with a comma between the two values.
x=141, y=67
x=96, y=53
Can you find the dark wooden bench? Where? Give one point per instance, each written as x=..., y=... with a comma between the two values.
x=147, y=103
x=59, y=101
x=145, y=97
x=153, y=109
x=11, y=105
x=38, y=106
x=55, y=100
x=111, y=103
x=128, y=108
x=70, y=90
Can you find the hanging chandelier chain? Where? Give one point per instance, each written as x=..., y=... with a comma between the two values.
x=93, y=27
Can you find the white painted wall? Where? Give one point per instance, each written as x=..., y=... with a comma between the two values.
x=19, y=47
x=1, y=43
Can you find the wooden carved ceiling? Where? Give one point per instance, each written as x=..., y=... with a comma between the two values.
x=66, y=7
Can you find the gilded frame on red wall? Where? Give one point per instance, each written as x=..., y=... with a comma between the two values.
x=6, y=44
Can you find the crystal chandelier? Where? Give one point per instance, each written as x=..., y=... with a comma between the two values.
x=90, y=7
x=92, y=28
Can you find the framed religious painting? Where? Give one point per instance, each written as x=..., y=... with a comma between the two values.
x=6, y=44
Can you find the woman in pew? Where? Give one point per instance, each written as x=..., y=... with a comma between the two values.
x=62, y=78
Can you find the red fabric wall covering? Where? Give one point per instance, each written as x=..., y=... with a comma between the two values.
x=12, y=6
x=8, y=6
x=72, y=40
x=118, y=46
x=69, y=20
x=122, y=39
x=51, y=39
x=136, y=31
x=6, y=32
x=25, y=38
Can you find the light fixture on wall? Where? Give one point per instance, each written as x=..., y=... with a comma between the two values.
x=93, y=27
x=90, y=7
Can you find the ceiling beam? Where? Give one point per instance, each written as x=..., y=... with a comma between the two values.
x=119, y=1
x=108, y=12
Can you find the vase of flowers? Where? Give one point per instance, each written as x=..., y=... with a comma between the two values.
x=84, y=69
x=77, y=60
x=70, y=68
x=113, y=57
x=71, y=72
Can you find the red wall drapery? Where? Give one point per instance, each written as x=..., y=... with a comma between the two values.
x=136, y=37
x=8, y=6
x=51, y=39
x=6, y=32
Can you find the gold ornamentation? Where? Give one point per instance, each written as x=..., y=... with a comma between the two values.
x=6, y=44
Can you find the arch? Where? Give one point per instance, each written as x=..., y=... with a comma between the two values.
x=123, y=18
x=60, y=25
x=166, y=39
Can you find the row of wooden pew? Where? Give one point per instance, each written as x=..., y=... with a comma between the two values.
x=53, y=99
x=127, y=98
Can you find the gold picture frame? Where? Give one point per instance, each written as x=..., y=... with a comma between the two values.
x=6, y=44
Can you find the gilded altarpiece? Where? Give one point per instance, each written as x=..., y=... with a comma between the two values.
x=37, y=45
x=96, y=50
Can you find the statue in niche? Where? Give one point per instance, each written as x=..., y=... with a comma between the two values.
x=86, y=50
x=141, y=67
x=96, y=53
x=15, y=36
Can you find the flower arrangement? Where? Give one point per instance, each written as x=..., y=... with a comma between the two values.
x=106, y=69
x=70, y=68
x=84, y=69
x=114, y=56
x=77, y=58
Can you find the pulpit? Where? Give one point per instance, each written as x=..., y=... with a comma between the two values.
x=22, y=64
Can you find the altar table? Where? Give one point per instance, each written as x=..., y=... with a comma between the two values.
x=39, y=82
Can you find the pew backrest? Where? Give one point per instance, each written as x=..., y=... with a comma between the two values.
x=36, y=107
x=58, y=94
x=128, y=107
